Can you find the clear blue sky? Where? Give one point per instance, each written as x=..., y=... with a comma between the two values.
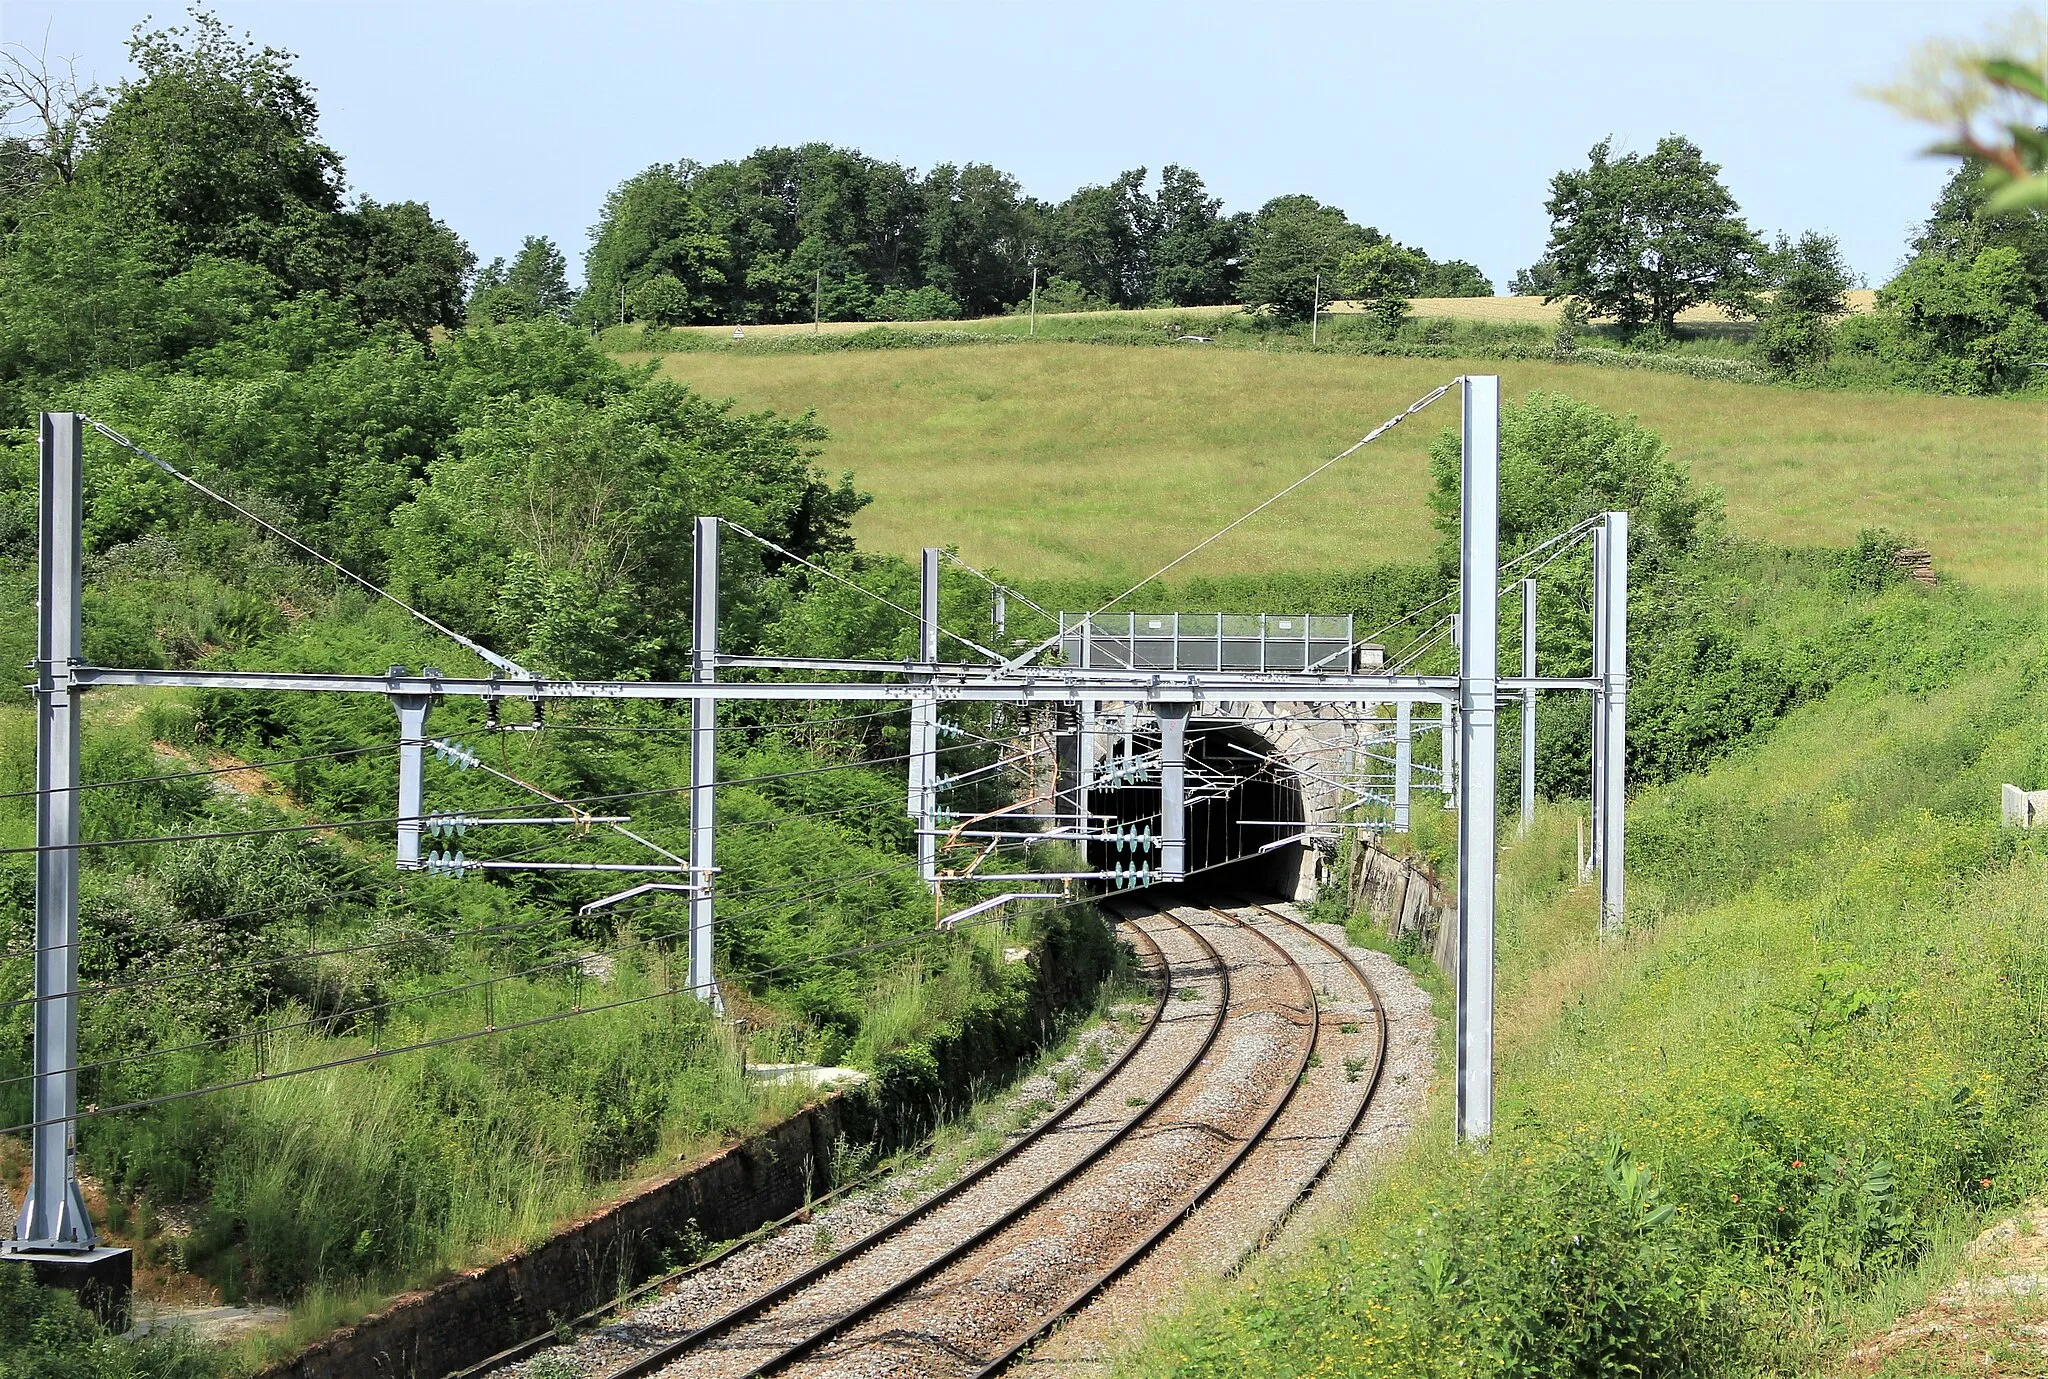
x=1440, y=124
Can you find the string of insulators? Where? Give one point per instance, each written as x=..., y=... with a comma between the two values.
x=1132, y=838
x=455, y=753
x=447, y=864
x=447, y=825
x=1125, y=878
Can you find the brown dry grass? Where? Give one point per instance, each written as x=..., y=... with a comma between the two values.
x=1500, y=310
x=1066, y=459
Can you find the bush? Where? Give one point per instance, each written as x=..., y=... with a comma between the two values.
x=914, y=304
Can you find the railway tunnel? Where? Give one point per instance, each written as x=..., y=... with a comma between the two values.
x=1249, y=819
x=1267, y=781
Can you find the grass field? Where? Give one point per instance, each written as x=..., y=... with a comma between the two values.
x=1054, y=460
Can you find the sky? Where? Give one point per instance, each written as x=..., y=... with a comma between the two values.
x=1439, y=124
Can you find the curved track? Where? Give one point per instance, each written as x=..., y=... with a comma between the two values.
x=1214, y=1123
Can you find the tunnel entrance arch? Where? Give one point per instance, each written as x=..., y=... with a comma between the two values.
x=1248, y=824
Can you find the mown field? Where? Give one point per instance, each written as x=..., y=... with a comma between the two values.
x=1058, y=460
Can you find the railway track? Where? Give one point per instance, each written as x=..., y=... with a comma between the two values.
x=1262, y=1053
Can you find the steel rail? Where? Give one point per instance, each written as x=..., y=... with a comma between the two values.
x=672, y=1350
x=1372, y=1086
x=1082, y=1296
x=809, y=1345
x=533, y=1345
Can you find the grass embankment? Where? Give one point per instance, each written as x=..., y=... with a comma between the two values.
x=1765, y=1120
x=559, y=1070
x=1057, y=460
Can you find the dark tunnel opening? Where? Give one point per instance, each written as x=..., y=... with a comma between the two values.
x=1245, y=812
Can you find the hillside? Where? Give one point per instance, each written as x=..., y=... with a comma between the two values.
x=1129, y=454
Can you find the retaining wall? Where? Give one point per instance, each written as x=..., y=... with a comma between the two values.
x=475, y=1315
x=1406, y=900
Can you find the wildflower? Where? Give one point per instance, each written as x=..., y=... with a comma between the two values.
x=1735, y=1197
x=1799, y=1163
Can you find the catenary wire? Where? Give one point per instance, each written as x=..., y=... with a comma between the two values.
x=491, y=657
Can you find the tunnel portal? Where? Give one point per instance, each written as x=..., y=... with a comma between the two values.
x=1246, y=815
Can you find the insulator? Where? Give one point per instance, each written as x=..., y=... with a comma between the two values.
x=454, y=752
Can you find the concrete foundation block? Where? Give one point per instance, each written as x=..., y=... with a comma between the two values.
x=103, y=1279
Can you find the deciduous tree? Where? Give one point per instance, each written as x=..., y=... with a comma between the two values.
x=1291, y=241
x=1642, y=237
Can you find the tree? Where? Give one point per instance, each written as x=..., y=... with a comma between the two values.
x=1809, y=290
x=399, y=264
x=1194, y=249
x=1454, y=278
x=1562, y=461
x=1290, y=241
x=564, y=529
x=1539, y=279
x=1102, y=237
x=536, y=285
x=652, y=227
x=44, y=118
x=1968, y=325
x=974, y=237
x=662, y=300
x=215, y=149
x=1384, y=276
x=1641, y=238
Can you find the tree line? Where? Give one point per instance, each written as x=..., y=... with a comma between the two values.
x=784, y=234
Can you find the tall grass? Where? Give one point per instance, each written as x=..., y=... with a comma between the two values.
x=1729, y=1141
x=1128, y=456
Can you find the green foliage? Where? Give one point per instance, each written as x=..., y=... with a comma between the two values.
x=45, y=1334
x=535, y=286
x=1562, y=461
x=919, y=304
x=1969, y=311
x=595, y=579
x=1642, y=237
x=1384, y=276
x=1810, y=283
x=1291, y=242
x=1454, y=278
x=1966, y=327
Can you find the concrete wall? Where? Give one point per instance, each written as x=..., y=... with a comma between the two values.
x=475, y=1315
x=1405, y=899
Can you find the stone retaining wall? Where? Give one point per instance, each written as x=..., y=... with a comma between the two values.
x=1406, y=899
x=473, y=1316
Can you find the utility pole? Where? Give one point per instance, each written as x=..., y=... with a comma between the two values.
x=1613, y=596
x=1173, y=787
x=1479, y=550
x=1033, y=331
x=54, y=1232
x=818, y=301
x=704, y=764
x=1404, y=762
x=924, y=721
x=1528, y=809
x=1315, y=311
